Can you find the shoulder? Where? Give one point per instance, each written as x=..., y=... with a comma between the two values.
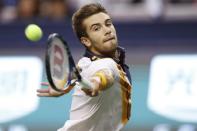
x=86, y=64
x=105, y=61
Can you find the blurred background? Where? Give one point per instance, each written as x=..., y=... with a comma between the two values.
x=159, y=36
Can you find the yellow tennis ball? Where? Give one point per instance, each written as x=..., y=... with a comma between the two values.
x=33, y=32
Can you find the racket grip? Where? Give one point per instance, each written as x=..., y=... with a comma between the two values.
x=86, y=83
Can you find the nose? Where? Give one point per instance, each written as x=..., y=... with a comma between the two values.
x=107, y=30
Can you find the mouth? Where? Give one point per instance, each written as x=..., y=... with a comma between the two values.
x=109, y=38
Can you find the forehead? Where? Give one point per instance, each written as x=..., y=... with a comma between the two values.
x=95, y=19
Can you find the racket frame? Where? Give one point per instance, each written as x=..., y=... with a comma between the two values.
x=72, y=66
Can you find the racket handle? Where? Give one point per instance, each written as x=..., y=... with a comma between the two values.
x=86, y=83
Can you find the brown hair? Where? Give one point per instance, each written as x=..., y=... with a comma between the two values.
x=83, y=13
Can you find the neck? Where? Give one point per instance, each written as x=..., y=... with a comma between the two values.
x=99, y=55
x=116, y=55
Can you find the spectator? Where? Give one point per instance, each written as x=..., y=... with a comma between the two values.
x=27, y=9
x=53, y=9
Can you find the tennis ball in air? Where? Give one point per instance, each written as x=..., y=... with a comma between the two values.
x=33, y=32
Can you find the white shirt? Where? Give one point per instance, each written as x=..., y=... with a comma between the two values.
x=103, y=112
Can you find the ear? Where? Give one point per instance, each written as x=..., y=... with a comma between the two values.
x=85, y=41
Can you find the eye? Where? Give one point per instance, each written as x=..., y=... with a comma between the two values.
x=109, y=23
x=96, y=28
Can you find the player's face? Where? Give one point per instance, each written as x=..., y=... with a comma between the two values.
x=102, y=38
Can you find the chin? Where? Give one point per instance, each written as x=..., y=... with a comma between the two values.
x=110, y=50
x=113, y=46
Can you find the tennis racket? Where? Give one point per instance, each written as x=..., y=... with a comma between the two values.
x=61, y=70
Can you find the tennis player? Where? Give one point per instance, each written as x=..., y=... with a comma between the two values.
x=107, y=105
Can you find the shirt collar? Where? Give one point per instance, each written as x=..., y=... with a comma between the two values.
x=120, y=56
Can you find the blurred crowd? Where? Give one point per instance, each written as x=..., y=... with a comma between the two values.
x=11, y=10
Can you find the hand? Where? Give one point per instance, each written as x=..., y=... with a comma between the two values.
x=48, y=92
x=95, y=90
x=101, y=80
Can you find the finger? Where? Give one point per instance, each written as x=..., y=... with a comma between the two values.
x=87, y=91
x=90, y=92
x=43, y=90
x=44, y=83
x=94, y=93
